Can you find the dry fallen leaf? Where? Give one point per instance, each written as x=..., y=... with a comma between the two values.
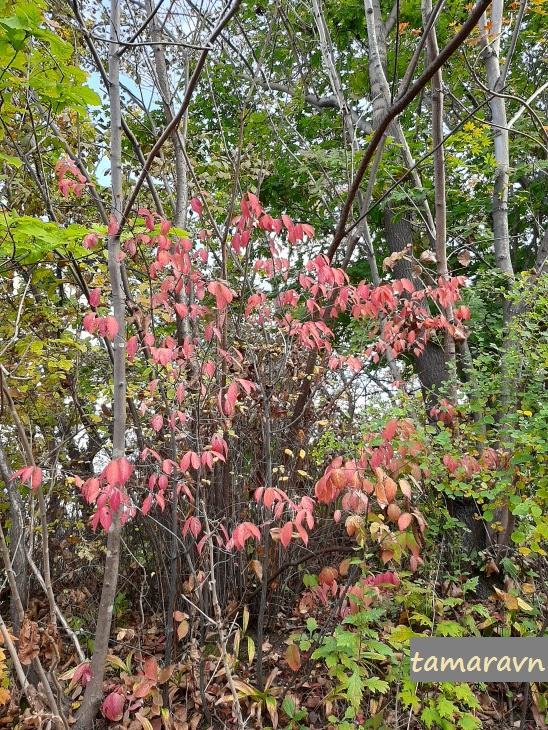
x=28, y=642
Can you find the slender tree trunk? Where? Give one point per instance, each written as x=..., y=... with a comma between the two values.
x=94, y=689
x=17, y=541
x=490, y=41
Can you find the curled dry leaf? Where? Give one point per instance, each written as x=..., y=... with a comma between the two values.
x=352, y=524
x=51, y=644
x=491, y=567
x=390, y=261
x=428, y=257
x=257, y=568
x=464, y=258
x=28, y=648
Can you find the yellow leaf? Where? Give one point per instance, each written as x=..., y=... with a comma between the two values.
x=250, y=649
x=4, y=696
x=302, y=454
x=288, y=452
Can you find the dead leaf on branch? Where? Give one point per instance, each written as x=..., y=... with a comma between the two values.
x=28, y=642
x=464, y=258
x=51, y=644
x=257, y=568
x=390, y=261
x=428, y=257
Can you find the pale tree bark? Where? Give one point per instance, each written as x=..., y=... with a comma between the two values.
x=439, y=187
x=363, y=201
x=94, y=689
x=490, y=41
x=181, y=181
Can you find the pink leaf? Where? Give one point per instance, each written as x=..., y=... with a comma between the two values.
x=147, y=504
x=285, y=534
x=131, y=347
x=157, y=422
x=94, y=297
x=111, y=327
x=36, y=478
x=404, y=521
x=117, y=472
x=113, y=707
x=105, y=518
x=82, y=674
x=196, y=206
x=90, y=323
x=90, y=241
x=114, y=501
x=113, y=226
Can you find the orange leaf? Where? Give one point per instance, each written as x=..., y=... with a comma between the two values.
x=293, y=657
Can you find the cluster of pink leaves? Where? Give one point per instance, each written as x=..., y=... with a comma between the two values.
x=107, y=493
x=66, y=184
x=467, y=465
x=179, y=267
x=361, y=594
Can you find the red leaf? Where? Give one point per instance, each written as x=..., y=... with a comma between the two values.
x=293, y=657
x=94, y=297
x=117, y=472
x=113, y=226
x=131, y=347
x=324, y=491
x=157, y=422
x=196, y=206
x=285, y=534
x=151, y=668
x=390, y=430
x=36, y=478
x=111, y=327
x=113, y=707
x=147, y=504
x=230, y=398
x=222, y=294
